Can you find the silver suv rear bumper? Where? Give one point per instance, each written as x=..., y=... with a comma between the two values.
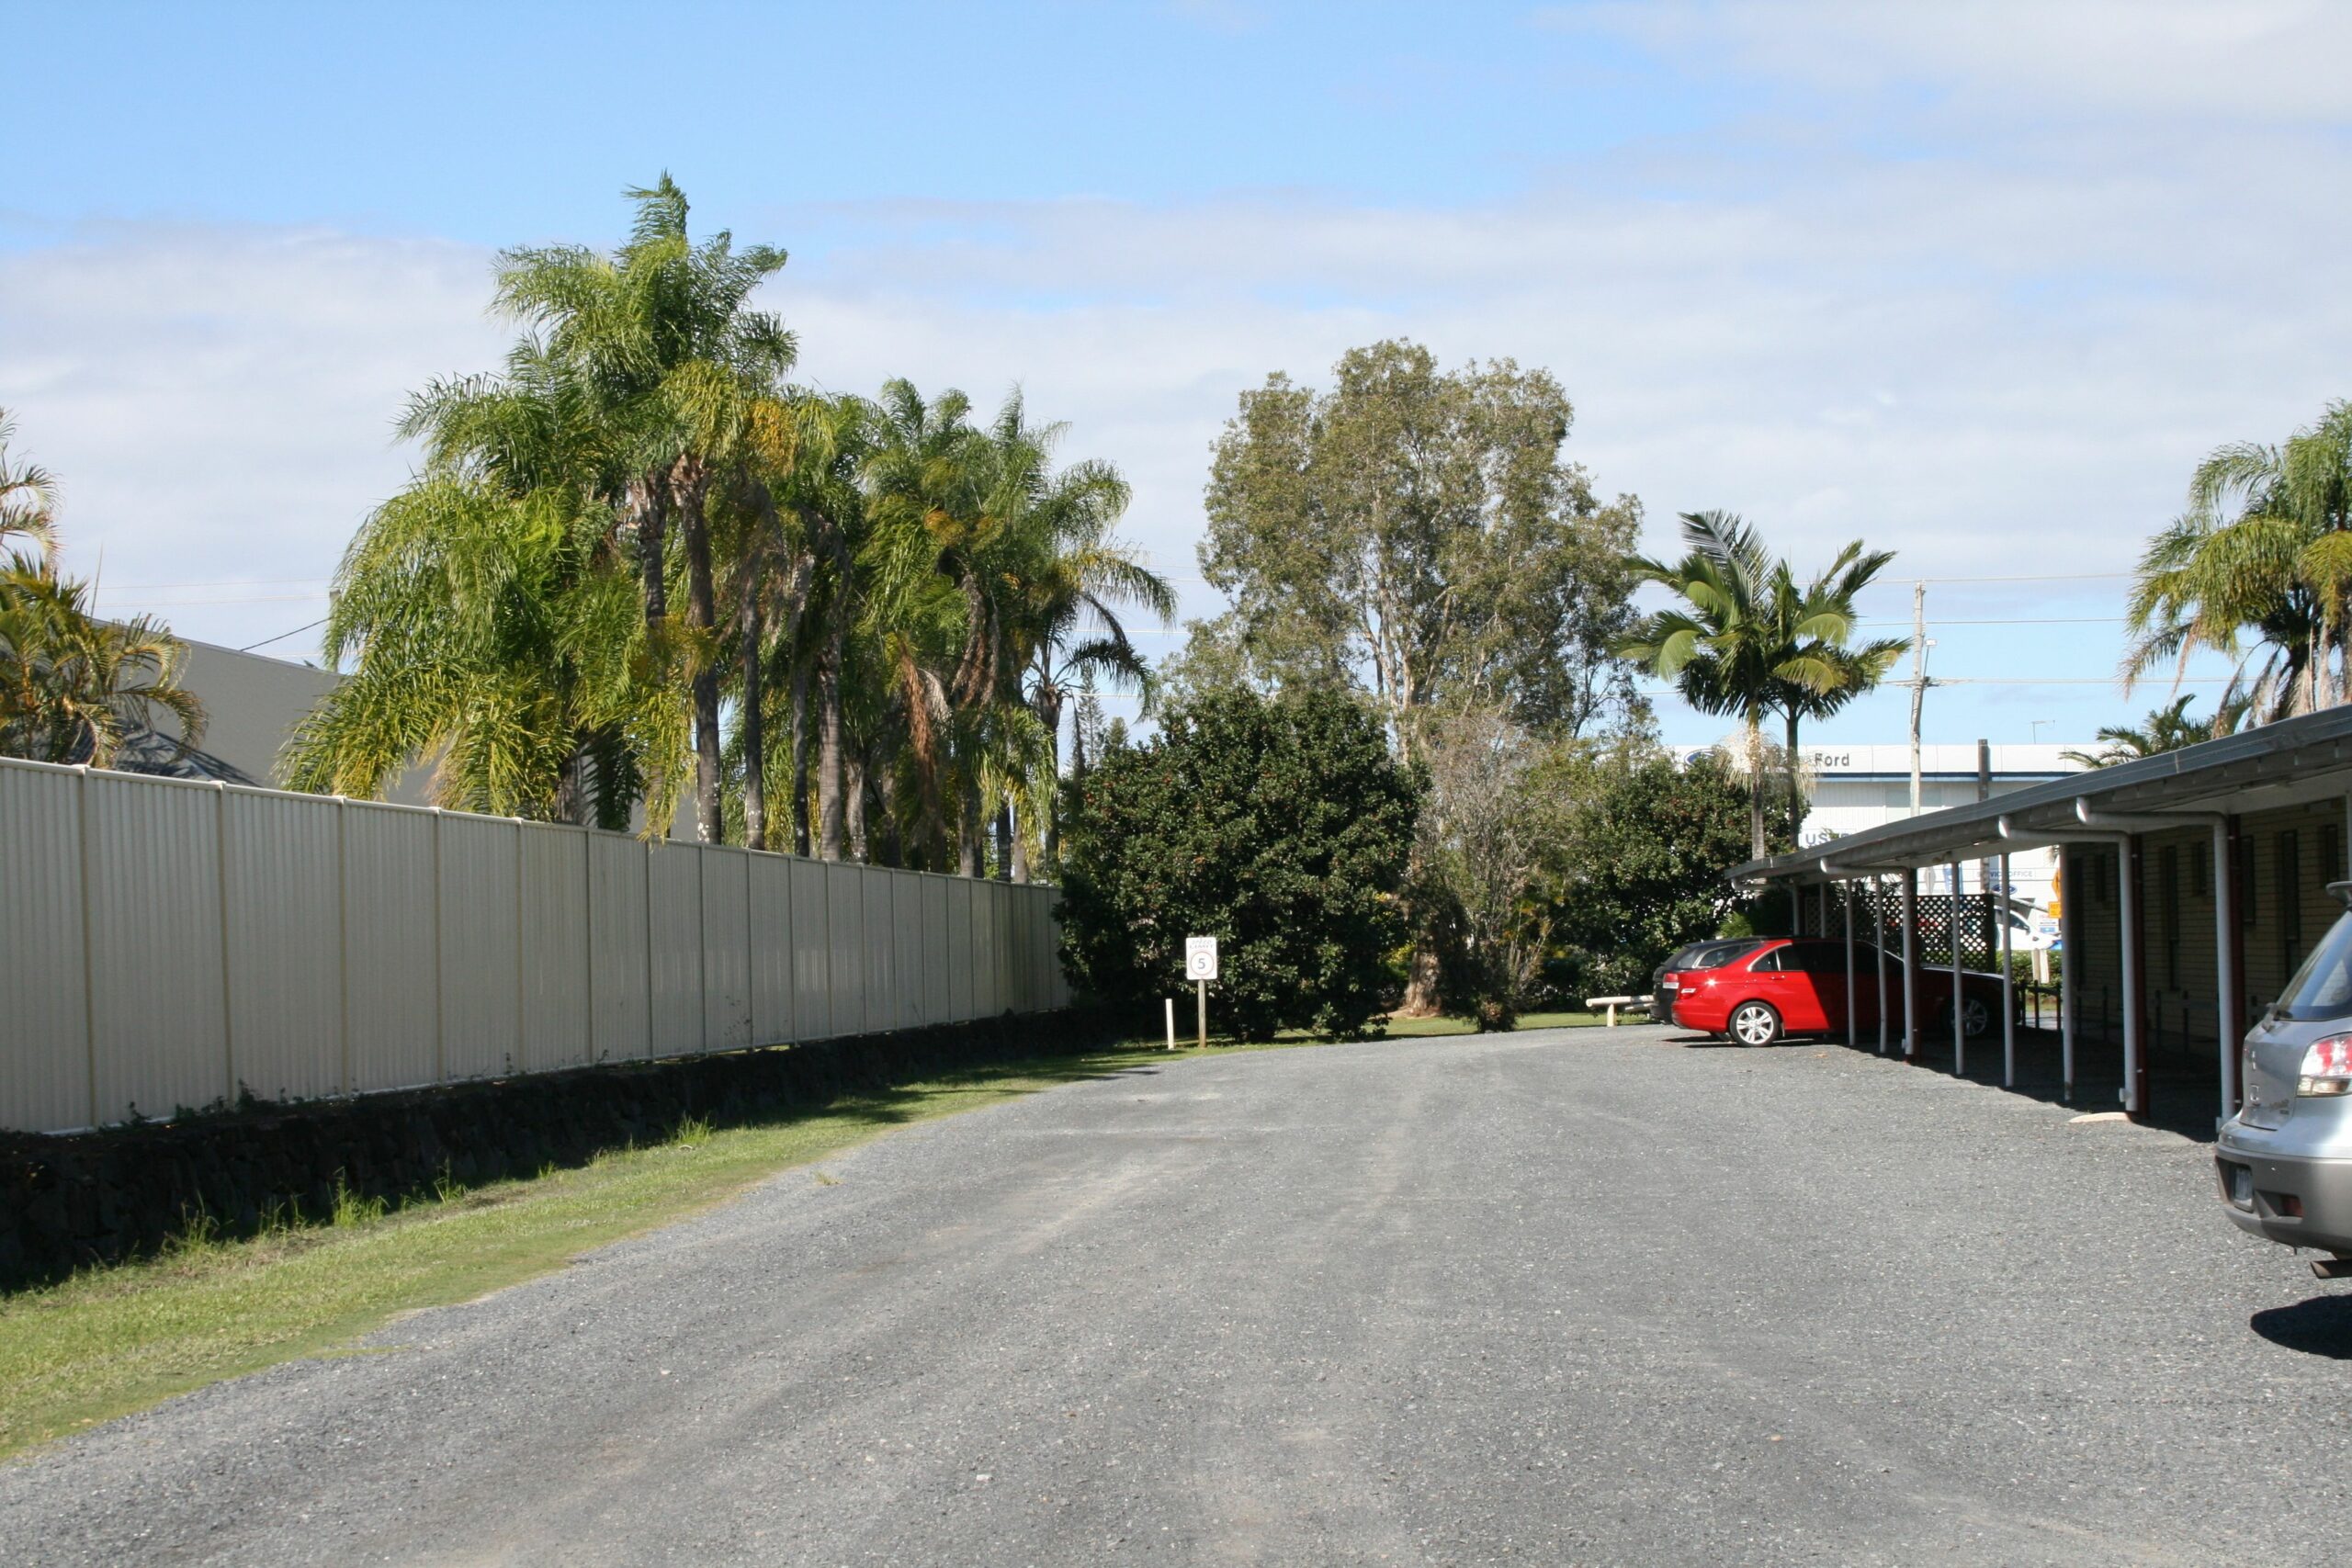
x=2297, y=1200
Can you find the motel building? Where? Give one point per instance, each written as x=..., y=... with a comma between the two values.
x=2191, y=884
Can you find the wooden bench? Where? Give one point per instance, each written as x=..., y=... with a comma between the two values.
x=1631, y=1004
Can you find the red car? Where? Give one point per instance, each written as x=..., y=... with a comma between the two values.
x=1798, y=987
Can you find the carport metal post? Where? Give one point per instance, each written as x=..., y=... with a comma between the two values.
x=1910, y=964
x=2070, y=897
x=2008, y=986
x=1878, y=953
x=2229, y=959
x=1959, y=1018
x=1851, y=1030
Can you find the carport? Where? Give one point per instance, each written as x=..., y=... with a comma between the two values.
x=2192, y=885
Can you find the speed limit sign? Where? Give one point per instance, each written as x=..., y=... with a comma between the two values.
x=1200, y=958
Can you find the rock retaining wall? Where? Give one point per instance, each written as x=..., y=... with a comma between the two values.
x=99, y=1198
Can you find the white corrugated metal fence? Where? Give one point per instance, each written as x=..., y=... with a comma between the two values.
x=167, y=944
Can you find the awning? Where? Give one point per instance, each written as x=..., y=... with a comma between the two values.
x=2288, y=763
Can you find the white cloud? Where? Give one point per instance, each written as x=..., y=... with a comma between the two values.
x=2001, y=358
x=217, y=403
x=2238, y=60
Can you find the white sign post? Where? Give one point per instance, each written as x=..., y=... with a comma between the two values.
x=1200, y=967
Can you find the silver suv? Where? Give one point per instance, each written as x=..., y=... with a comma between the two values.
x=2285, y=1159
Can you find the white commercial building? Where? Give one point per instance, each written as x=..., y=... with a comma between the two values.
x=1856, y=787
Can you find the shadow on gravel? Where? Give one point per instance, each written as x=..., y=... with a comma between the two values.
x=2320, y=1327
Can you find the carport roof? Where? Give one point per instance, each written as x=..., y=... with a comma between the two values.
x=2287, y=763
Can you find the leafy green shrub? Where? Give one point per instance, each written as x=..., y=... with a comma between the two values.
x=1281, y=827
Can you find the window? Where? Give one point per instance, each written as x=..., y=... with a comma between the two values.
x=2246, y=881
x=1767, y=962
x=2102, y=878
x=2201, y=868
x=2321, y=988
x=2290, y=899
x=2168, y=912
x=1827, y=958
x=2331, y=852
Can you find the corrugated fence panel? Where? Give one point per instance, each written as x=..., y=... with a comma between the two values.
x=725, y=949
x=284, y=903
x=812, y=953
x=480, y=968
x=391, y=991
x=304, y=947
x=906, y=950
x=45, y=1030
x=935, y=989
x=674, y=897
x=772, y=1013
x=1012, y=996
x=555, y=948
x=960, y=946
x=1025, y=949
x=1059, y=976
x=619, y=1014
x=1043, y=951
x=845, y=924
x=874, y=897
x=159, y=1026
x=986, y=1002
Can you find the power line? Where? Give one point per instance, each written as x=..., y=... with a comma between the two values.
x=238, y=582
x=281, y=637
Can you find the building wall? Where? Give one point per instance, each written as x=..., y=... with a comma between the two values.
x=2287, y=859
x=1852, y=788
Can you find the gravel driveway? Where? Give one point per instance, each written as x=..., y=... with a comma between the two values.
x=1555, y=1297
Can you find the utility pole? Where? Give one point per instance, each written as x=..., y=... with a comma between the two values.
x=1919, y=679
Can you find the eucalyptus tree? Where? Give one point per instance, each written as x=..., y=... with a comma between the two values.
x=1747, y=641
x=1417, y=532
x=2259, y=569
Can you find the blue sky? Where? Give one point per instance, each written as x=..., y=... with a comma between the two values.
x=1979, y=283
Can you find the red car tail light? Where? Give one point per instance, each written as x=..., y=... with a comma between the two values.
x=2327, y=1067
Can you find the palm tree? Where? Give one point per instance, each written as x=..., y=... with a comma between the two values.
x=2167, y=729
x=28, y=498
x=490, y=632
x=1747, y=641
x=1821, y=617
x=820, y=489
x=929, y=481
x=2257, y=569
x=73, y=688
x=1067, y=630
x=658, y=346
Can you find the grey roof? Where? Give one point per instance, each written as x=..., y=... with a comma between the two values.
x=2286, y=764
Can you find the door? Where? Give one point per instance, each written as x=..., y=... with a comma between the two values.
x=1778, y=976
x=1824, y=967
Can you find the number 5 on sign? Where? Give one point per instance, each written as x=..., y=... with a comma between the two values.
x=1200, y=967
x=1200, y=958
